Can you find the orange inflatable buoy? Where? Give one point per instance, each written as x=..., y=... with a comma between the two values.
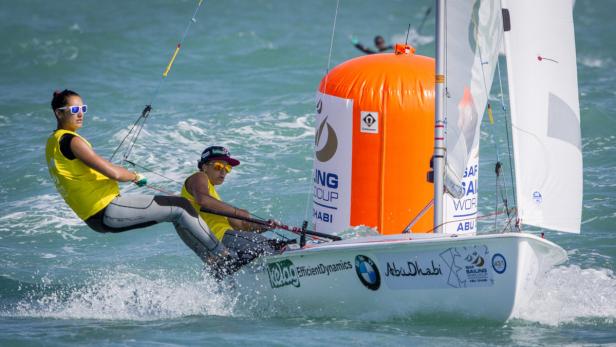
x=373, y=143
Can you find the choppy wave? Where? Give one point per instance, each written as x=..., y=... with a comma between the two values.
x=39, y=215
x=569, y=293
x=122, y=294
x=566, y=295
x=48, y=51
x=245, y=78
x=593, y=61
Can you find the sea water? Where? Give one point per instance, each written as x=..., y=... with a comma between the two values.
x=245, y=78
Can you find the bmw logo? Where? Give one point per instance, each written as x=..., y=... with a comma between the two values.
x=367, y=272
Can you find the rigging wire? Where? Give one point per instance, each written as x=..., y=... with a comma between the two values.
x=329, y=59
x=152, y=171
x=507, y=120
x=140, y=122
x=257, y=219
x=489, y=111
x=331, y=41
x=408, y=31
x=500, y=186
x=478, y=217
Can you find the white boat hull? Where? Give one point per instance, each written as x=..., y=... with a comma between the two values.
x=485, y=276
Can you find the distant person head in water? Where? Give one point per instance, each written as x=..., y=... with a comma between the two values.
x=379, y=43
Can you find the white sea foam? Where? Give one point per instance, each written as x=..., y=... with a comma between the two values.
x=255, y=38
x=40, y=214
x=122, y=294
x=568, y=293
x=415, y=38
x=49, y=52
x=4, y=120
x=75, y=27
x=593, y=62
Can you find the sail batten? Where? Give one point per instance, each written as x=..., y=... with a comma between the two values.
x=545, y=114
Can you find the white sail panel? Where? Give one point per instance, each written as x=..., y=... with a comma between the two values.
x=545, y=112
x=461, y=214
x=474, y=31
x=473, y=39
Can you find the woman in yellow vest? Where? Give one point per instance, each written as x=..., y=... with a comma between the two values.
x=89, y=185
x=199, y=188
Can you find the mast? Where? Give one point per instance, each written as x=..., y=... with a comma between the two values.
x=439, y=118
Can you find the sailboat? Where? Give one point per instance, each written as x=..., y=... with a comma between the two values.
x=445, y=270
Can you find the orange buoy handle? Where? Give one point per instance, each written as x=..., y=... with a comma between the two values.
x=402, y=48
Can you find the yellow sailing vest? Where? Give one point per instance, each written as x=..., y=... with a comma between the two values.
x=84, y=189
x=218, y=224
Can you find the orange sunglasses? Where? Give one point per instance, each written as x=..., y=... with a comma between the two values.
x=222, y=166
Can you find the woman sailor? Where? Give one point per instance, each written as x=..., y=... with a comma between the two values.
x=89, y=185
x=236, y=234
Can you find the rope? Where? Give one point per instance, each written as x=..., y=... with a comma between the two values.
x=331, y=41
x=259, y=220
x=470, y=218
x=152, y=171
x=329, y=58
x=423, y=211
x=140, y=122
x=499, y=188
x=506, y=112
x=407, y=34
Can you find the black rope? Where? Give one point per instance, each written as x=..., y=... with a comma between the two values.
x=152, y=171
x=144, y=114
x=509, y=152
x=406, y=42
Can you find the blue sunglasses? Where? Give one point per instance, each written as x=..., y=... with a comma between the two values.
x=75, y=109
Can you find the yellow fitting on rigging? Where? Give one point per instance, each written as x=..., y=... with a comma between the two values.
x=175, y=54
x=490, y=114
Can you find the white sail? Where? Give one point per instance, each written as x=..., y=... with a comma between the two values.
x=473, y=41
x=545, y=112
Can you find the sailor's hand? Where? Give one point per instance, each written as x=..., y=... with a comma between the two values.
x=354, y=40
x=140, y=180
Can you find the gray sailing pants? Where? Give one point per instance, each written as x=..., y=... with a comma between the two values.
x=247, y=245
x=132, y=211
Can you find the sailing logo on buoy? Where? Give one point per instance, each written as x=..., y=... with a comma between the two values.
x=369, y=122
x=331, y=145
x=369, y=119
x=367, y=272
